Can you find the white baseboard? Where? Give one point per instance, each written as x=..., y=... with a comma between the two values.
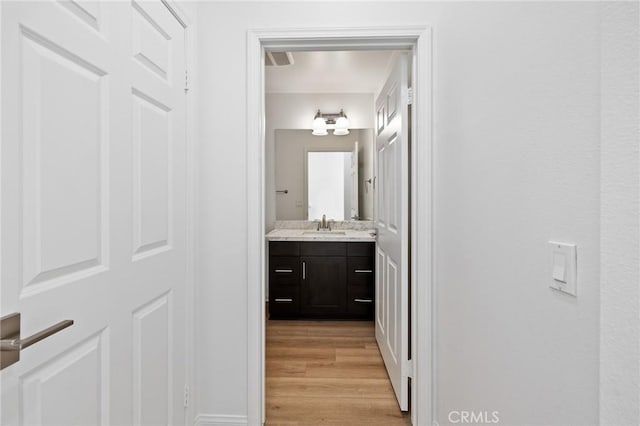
x=220, y=420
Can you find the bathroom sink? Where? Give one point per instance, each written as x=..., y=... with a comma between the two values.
x=323, y=233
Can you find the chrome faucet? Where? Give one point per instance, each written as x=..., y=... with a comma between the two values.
x=323, y=224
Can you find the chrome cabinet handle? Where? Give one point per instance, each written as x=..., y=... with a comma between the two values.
x=363, y=300
x=283, y=300
x=304, y=270
x=10, y=342
x=363, y=271
x=284, y=271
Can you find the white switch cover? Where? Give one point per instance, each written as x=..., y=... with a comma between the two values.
x=564, y=272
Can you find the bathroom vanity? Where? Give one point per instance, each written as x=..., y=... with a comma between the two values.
x=321, y=275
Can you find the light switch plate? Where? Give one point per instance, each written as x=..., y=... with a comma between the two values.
x=563, y=260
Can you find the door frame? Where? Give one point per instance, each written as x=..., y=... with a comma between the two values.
x=419, y=40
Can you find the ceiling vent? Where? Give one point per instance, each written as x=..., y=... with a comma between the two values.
x=278, y=59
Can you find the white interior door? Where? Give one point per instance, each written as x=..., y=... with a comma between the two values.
x=93, y=211
x=354, y=183
x=392, y=219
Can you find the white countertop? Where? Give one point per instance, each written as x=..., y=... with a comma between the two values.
x=312, y=235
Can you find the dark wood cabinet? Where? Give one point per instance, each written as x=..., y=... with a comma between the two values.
x=323, y=289
x=284, y=279
x=360, y=294
x=331, y=280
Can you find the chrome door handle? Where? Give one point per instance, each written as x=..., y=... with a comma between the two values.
x=10, y=342
x=363, y=300
x=284, y=271
x=20, y=344
x=363, y=271
x=304, y=270
x=281, y=300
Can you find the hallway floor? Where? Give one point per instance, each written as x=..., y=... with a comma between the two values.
x=327, y=373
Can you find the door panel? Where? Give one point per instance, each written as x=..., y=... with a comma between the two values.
x=151, y=45
x=391, y=172
x=63, y=112
x=392, y=309
x=87, y=404
x=381, y=190
x=152, y=366
x=151, y=184
x=392, y=218
x=93, y=211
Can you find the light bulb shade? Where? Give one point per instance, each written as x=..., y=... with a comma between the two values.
x=342, y=126
x=319, y=126
x=319, y=123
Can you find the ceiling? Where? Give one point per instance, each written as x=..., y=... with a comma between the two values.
x=329, y=72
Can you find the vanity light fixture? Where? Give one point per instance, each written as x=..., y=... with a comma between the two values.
x=338, y=120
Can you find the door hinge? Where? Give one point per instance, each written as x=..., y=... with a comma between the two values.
x=186, y=81
x=186, y=396
x=410, y=96
x=408, y=367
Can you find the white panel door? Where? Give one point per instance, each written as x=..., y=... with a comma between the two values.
x=93, y=211
x=354, y=183
x=392, y=220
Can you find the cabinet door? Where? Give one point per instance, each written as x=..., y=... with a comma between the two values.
x=324, y=285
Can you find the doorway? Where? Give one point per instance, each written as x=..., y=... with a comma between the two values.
x=418, y=41
x=323, y=362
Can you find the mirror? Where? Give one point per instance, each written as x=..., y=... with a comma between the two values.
x=328, y=175
x=330, y=188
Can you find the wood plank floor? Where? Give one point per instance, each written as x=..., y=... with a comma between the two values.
x=327, y=373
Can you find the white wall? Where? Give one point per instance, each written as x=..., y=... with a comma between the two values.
x=517, y=141
x=620, y=211
x=517, y=132
x=296, y=111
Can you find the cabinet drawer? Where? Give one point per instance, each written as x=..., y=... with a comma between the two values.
x=284, y=270
x=361, y=270
x=321, y=248
x=284, y=300
x=366, y=249
x=361, y=300
x=284, y=248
